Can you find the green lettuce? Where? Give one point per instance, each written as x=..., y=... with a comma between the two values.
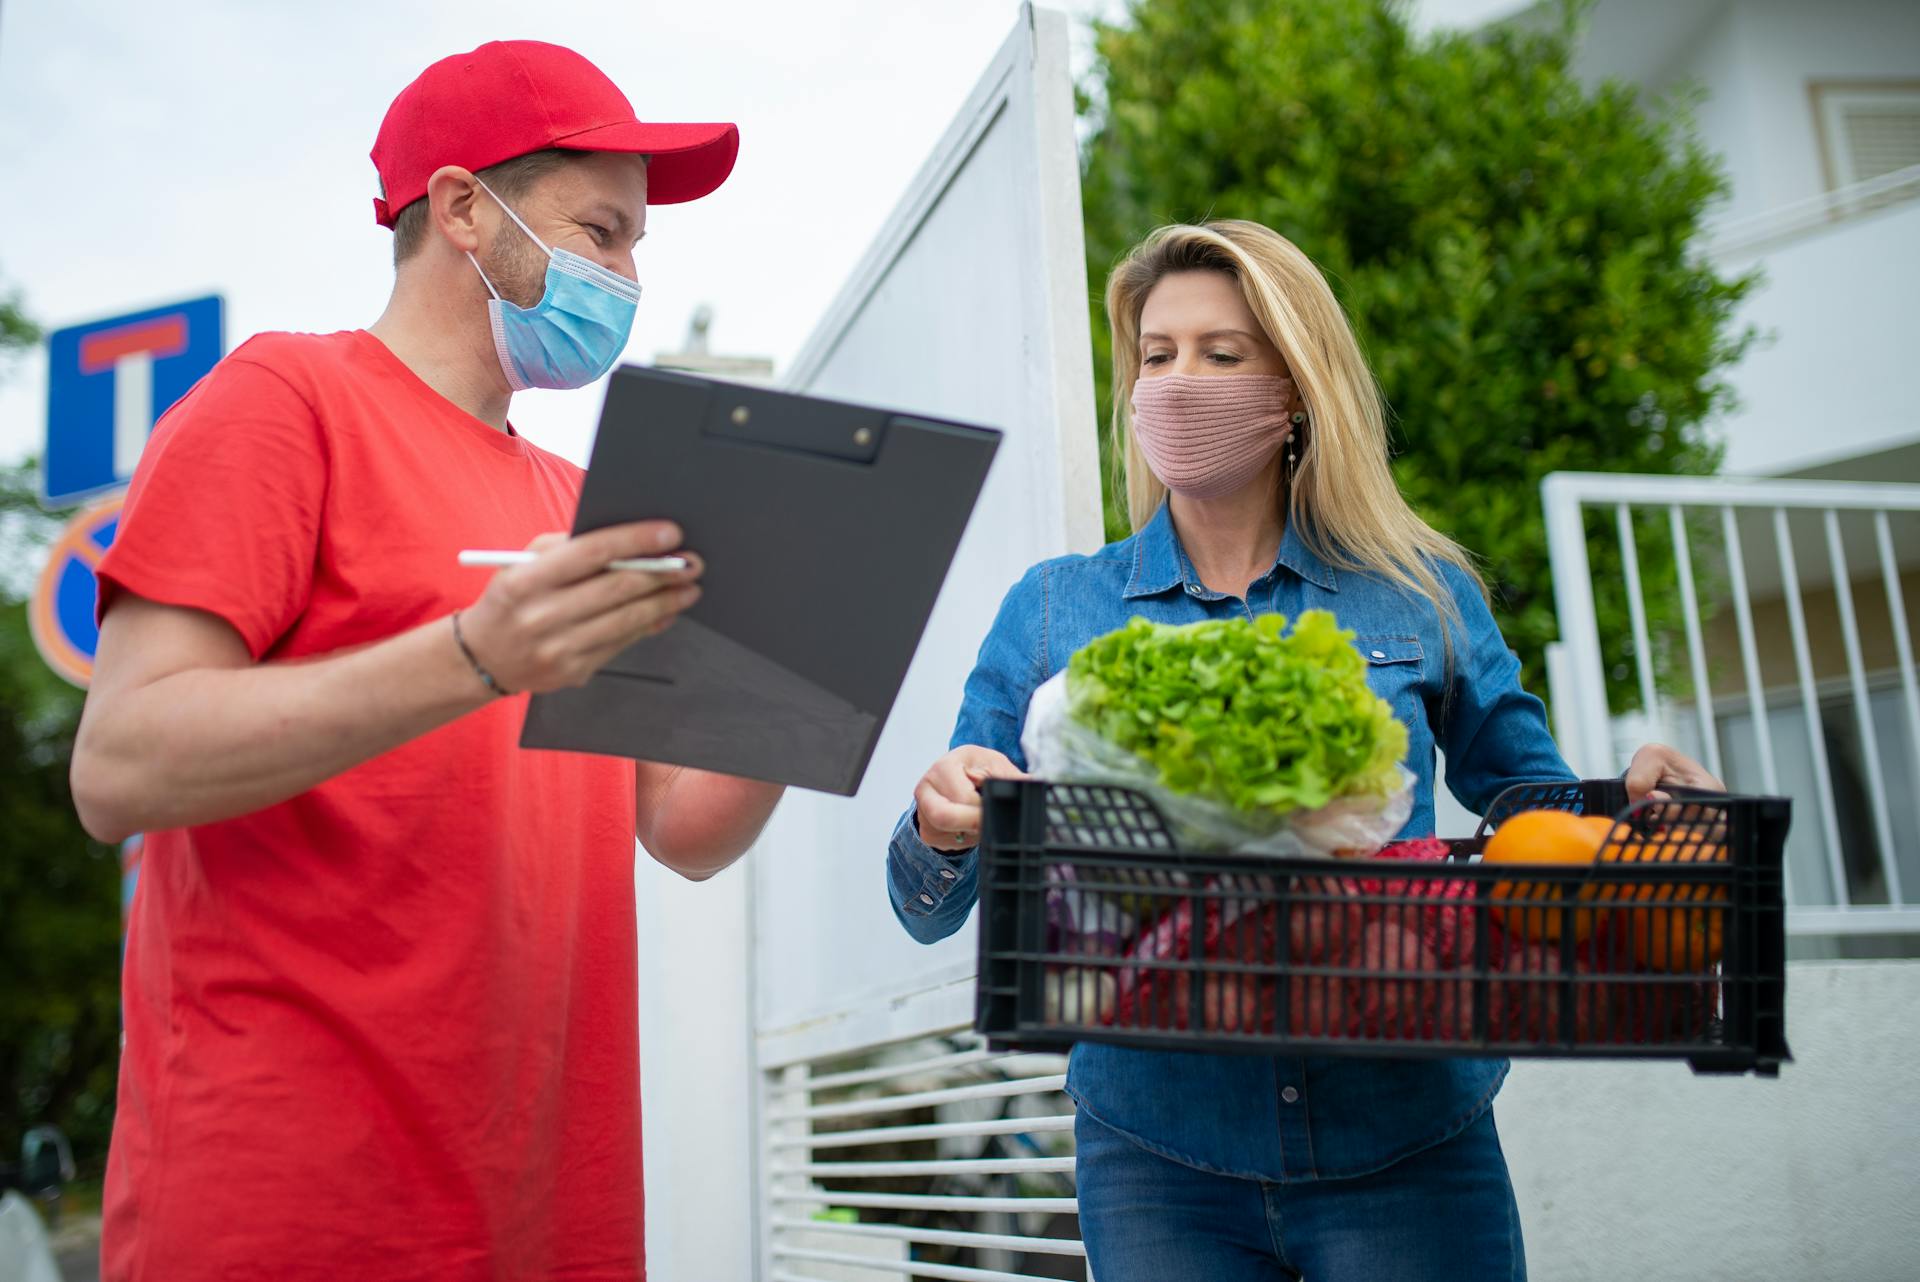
x=1242, y=711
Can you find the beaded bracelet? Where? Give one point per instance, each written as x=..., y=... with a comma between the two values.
x=482, y=673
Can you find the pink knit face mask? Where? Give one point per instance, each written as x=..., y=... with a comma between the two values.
x=1206, y=435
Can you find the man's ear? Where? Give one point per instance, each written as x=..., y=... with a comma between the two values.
x=453, y=207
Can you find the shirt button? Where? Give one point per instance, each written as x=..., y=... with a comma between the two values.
x=1379, y=654
x=1192, y=590
x=928, y=901
x=1290, y=1095
x=948, y=873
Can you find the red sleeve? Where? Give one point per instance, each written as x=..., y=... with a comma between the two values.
x=224, y=511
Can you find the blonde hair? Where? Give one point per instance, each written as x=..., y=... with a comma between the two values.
x=1342, y=498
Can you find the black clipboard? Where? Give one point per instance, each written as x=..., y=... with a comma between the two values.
x=827, y=530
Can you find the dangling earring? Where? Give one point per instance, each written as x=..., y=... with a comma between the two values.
x=1299, y=421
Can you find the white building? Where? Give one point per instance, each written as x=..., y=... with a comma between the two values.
x=782, y=1006
x=1815, y=108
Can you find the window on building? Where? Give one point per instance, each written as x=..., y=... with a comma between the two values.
x=1869, y=129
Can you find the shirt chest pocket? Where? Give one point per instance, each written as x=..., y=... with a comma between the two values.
x=1396, y=670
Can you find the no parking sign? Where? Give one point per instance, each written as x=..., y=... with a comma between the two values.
x=62, y=611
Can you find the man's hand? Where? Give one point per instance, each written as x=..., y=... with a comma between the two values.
x=183, y=727
x=1657, y=767
x=948, y=795
x=555, y=622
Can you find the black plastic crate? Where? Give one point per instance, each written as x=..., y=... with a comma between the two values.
x=1670, y=945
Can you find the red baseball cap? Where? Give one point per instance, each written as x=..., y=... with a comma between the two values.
x=512, y=97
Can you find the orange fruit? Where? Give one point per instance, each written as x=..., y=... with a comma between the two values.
x=1544, y=837
x=1684, y=939
x=1600, y=825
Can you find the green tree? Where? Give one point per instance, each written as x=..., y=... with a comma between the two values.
x=1515, y=249
x=59, y=889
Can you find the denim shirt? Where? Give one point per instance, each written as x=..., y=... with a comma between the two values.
x=1274, y=1118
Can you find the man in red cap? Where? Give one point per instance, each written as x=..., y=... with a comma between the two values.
x=380, y=979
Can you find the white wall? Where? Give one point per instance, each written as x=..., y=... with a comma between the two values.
x=1461, y=15
x=1716, y=61
x=1833, y=378
x=1754, y=59
x=1836, y=305
x=1782, y=45
x=695, y=1079
x=1646, y=1171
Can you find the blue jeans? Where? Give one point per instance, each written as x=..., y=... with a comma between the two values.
x=1445, y=1214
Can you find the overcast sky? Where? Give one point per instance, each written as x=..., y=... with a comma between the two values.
x=154, y=152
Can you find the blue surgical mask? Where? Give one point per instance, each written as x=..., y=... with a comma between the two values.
x=577, y=330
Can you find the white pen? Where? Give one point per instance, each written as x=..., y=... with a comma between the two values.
x=491, y=559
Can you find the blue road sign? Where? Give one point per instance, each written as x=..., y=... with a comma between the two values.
x=109, y=382
x=61, y=614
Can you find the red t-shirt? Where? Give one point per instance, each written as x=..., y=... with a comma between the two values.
x=386, y=1029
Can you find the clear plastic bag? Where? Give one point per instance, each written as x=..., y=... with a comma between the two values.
x=1061, y=750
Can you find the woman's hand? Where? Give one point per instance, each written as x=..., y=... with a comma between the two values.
x=948, y=795
x=1656, y=767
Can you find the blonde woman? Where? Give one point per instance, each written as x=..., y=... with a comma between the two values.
x=1255, y=453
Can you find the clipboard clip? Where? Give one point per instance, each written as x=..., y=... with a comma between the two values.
x=837, y=431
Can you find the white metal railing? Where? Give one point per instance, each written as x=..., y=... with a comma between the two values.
x=1821, y=879
x=1753, y=233
x=988, y=1107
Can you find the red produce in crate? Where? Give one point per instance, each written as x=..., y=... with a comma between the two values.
x=1613, y=1004
x=1430, y=1002
x=1322, y=915
x=1234, y=930
x=1320, y=1006
x=1441, y=923
x=1401, y=971
x=1329, y=925
x=1524, y=999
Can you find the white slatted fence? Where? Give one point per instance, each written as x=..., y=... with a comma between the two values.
x=1775, y=644
x=931, y=1158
